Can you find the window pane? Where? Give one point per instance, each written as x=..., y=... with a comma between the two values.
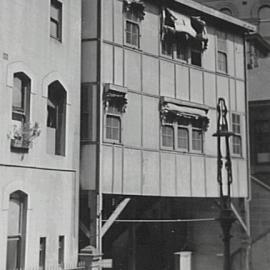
x=167, y=46
x=196, y=58
x=17, y=93
x=113, y=127
x=132, y=33
x=14, y=216
x=264, y=15
x=55, y=13
x=13, y=254
x=197, y=140
x=61, y=251
x=167, y=136
x=182, y=51
x=54, y=29
x=222, y=62
x=236, y=128
x=237, y=149
x=42, y=253
x=183, y=138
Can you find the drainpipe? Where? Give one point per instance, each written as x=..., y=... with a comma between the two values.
x=100, y=123
x=248, y=199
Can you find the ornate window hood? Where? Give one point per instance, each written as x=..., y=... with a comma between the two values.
x=176, y=110
x=115, y=95
x=136, y=7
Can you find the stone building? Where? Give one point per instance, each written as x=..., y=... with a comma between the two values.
x=39, y=111
x=152, y=72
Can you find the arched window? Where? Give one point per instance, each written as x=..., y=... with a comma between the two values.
x=56, y=119
x=264, y=24
x=16, y=230
x=21, y=97
x=226, y=10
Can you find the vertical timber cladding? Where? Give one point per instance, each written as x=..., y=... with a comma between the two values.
x=139, y=165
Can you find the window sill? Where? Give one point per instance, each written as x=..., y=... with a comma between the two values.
x=219, y=72
x=132, y=47
x=59, y=40
x=112, y=142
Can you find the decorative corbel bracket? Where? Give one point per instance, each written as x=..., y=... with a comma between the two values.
x=136, y=7
x=115, y=95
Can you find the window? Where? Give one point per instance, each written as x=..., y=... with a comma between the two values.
x=236, y=139
x=183, y=37
x=197, y=140
x=260, y=133
x=222, y=61
x=132, y=33
x=264, y=24
x=115, y=102
x=16, y=230
x=167, y=136
x=42, y=253
x=183, y=138
x=21, y=97
x=196, y=58
x=61, y=249
x=113, y=124
x=132, y=28
x=184, y=135
x=56, y=19
x=181, y=49
x=56, y=119
x=167, y=46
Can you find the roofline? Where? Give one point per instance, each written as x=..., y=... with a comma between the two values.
x=261, y=41
x=217, y=14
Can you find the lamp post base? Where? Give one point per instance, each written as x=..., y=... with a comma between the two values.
x=226, y=220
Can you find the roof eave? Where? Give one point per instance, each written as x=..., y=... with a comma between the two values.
x=247, y=27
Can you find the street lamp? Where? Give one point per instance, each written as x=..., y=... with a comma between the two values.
x=226, y=217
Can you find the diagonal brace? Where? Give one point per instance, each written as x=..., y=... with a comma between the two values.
x=118, y=210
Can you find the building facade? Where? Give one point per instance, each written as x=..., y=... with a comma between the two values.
x=39, y=112
x=152, y=74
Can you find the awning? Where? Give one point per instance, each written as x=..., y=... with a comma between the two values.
x=177, y=112
x=193, y=26
x=182, y=23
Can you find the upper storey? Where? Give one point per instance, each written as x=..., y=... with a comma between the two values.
x=40, y=83
x=161, y=72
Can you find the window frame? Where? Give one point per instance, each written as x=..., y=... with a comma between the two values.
x=133, y=19
x=22, y=114
x=222, y=48
x=188, y=138
x=20, y=198
x=236, y=134
x=61, y=251
x=59, y=23
x=170, y=125
x=56, y=88
x=117, y=115
x=189, y=127
x=42, y=253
